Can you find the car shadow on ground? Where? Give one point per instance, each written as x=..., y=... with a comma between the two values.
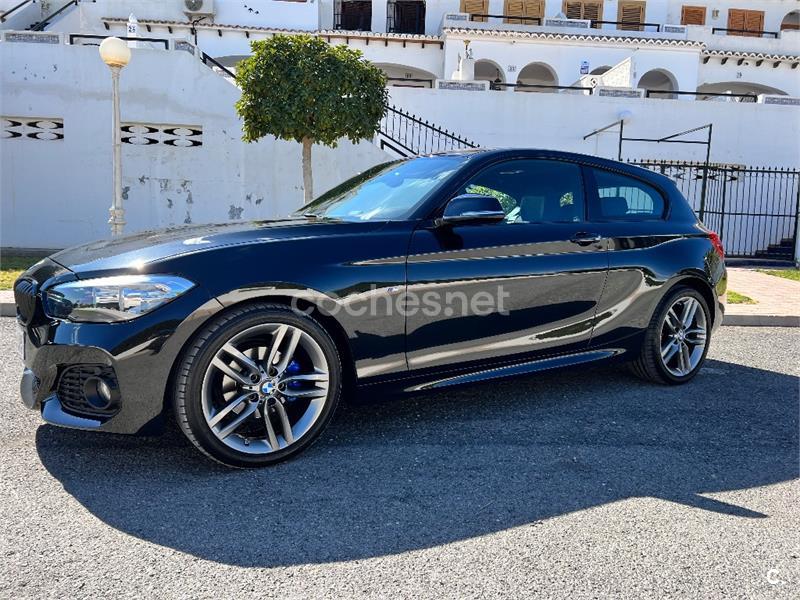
x=423, y=471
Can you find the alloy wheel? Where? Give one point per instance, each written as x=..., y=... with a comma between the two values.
x=683, y=336
x=265, y=388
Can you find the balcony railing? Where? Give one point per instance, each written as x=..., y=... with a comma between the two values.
x=627, y=25
x=480, y=18
x=745, y=32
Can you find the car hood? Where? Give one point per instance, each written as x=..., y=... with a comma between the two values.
x=138, y=250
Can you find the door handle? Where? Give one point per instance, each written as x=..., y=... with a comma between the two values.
x=583, y=238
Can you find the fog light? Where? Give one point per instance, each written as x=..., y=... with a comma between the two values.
x=99, y=393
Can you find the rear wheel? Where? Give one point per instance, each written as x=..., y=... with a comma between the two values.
x=258, y=385
x=676, y=342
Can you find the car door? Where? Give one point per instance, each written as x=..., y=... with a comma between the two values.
x=525, y=286
x=630, y=214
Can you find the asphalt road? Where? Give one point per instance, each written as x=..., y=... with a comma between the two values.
x=566, y=484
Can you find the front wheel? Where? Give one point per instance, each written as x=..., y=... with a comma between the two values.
x=676, y=342
x=258, y=385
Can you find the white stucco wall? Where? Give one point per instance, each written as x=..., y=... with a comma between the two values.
x=57, y=193
x=749, y=134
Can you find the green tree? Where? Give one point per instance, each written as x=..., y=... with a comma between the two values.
x=301, y=88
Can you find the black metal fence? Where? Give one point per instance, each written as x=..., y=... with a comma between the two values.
x=753, y=209
x=406, y=134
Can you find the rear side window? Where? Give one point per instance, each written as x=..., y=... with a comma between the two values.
x=622, y=198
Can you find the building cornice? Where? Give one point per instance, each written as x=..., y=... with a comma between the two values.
x=751, y=56
x=573, y=37
x=329, y=34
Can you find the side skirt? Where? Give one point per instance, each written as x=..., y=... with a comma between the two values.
x=433, y=381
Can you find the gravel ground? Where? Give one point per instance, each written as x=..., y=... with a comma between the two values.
x=567, y=484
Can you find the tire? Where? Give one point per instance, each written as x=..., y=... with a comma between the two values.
x=241, y=401
x=662, y=338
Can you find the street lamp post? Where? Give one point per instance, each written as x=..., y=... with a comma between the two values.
x=116, y=54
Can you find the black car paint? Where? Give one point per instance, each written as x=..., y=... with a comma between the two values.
x=573, y=300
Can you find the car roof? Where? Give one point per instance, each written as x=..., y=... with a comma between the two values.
x=491, y=154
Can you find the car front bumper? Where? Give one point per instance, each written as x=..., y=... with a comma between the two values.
x=139, y=354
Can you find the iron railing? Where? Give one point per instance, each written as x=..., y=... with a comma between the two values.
x=214, y=64
x=405, y=16
x=355, y=15
x=408, y=135
x=497, y=85
x=702, y=95
x=626, y=25
x=40, y=25
x=13, y=9
x=745, y=32
x=399, y=81
x=755, y=210
x=481, y=18
x=93, y=36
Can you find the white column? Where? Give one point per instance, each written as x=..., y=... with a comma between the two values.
x=379, y=16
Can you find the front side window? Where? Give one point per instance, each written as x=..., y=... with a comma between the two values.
x=625, y=198
x=533, y=191
x=391, y=191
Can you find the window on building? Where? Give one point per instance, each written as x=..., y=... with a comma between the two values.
x=625, y=199
x=693, y=15
x=533, y=191
x=353, y=15
x=586, y=9
x=745, y=22
x=476, y=7
x=791, y=22
x=630, y=15
x=405, y=16
x=533, y=9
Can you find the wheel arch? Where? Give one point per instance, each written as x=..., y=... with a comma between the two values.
x=697, y=282
x=327, y=321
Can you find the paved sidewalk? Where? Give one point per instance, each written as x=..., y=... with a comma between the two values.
x=778, y=299
x=7, y=308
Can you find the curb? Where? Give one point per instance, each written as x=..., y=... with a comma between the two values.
x=761, y=320
x=8, y=309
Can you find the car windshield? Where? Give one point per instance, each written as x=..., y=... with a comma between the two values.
x=390, y=191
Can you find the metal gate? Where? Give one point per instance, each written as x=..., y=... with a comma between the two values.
x=754, y=210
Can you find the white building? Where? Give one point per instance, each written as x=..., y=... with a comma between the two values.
x=493, y=72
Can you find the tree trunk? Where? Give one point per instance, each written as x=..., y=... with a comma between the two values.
x=308, y=184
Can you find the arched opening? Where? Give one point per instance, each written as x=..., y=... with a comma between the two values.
x=405, y=76
x=405, y=16
x=659, y=83
x=600, y=70
x=536, y=74
x=352, y=15
x=736, y=87
x=791, y=22
x=487, y=70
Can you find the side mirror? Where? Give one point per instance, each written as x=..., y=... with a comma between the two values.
x=472, y=209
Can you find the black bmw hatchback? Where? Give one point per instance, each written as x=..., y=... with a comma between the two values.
x=416, y=275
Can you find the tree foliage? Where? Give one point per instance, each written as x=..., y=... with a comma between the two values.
x=300, y=87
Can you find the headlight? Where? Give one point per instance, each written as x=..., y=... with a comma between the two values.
x=111, y=299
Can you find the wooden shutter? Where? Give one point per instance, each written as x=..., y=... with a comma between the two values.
x=524, y=8
x=515, y=8
x=693, y=15
x=736, y=21
x=476, y=7
x=754, y=21
x=586, y=9
x=630, y=12
x=535, y=8
x=573, y=10
x=594, y=12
